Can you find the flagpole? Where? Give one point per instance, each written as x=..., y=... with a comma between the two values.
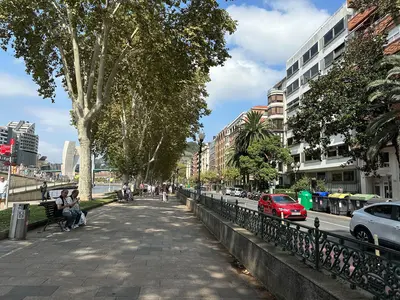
x=9, y=172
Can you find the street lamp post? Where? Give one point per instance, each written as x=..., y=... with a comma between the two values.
x=201, y=139
x=109, y=182
x=295, y=167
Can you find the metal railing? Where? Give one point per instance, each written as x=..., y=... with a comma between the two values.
x=340, y=256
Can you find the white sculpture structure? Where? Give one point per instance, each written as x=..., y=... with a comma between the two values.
x=70, y=158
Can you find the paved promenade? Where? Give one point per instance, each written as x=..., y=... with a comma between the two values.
x=145, y=250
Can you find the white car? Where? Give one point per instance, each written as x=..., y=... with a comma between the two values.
x=228, y=191
x=382, y=219
x=237, y=192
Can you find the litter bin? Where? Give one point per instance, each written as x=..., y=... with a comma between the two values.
x=344, y=204
x=360, y=200
x=19, y=221
x=333, y=203
x=319, y=199
x=306, y=199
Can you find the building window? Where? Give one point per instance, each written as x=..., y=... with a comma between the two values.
x=293, y=69
x=337, y=151
x=292, y=141
x=293, y=87
x=336, y=177
x=334, y=32
x=275, y=111
x=310, y=53
x=311, y=73
x=348, y=176
x=321, y=176
x=277, y=124
x=385, y=159
x=332, y=152
x=296, y=158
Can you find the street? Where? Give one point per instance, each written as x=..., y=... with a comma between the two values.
x=328, y=222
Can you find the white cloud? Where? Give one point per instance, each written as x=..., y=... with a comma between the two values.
x=265, y=38
x=240, y=79
x=15, y=86
x=53, y=152
x=273, y=35
x=52, y=119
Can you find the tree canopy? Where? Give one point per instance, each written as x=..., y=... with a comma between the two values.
x=116, y=51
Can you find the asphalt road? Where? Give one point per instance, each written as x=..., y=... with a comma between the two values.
x=328, y=222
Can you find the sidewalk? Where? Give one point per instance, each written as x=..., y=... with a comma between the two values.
x=144, y=250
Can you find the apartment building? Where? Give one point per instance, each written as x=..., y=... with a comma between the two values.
x=205, y=157
x=386, y=184
x=314, y=58
x=26, y=141
x=212, y=155
x=195, y=164
x=275, y=108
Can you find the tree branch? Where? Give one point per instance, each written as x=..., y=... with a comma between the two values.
x=90, y=85
x=155, y=151
x=100, y=99
x=77, y=60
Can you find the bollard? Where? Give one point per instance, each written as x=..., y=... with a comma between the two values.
x=376, y=242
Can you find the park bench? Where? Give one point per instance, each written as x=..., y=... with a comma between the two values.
x=53, y=214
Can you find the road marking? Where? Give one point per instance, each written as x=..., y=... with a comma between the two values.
x=334, y=224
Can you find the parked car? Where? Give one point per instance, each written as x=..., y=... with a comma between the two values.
x=276, y=204
x=237, y=192
x=382, y=219
x=228, y=191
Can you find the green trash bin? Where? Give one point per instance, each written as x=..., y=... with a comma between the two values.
x=306, y=199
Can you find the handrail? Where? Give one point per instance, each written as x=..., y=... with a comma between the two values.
x=350, y=259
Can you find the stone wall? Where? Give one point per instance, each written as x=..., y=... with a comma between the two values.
x=283, y=275
x=21, y=181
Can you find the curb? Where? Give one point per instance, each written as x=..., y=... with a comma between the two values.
x=31, y=226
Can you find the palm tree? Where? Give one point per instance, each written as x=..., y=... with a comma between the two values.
x=385, y=93
x=253, y=129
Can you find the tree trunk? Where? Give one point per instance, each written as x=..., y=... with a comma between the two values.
x=125, y=178
x=85, y=165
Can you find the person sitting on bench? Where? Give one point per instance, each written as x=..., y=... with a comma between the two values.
x=74, y=199
x=63, y=205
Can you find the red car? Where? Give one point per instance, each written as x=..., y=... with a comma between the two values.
x=275, y=204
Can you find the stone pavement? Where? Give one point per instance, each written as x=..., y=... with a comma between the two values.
x=144, y=250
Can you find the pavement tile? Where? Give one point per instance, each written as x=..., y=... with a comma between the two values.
x=121, y=291
x=144, y=250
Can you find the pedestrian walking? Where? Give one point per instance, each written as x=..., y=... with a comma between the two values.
x=3, y=191
x=43, y=190
x=164, y=194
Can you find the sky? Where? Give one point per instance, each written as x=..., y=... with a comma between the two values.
x=268, y=33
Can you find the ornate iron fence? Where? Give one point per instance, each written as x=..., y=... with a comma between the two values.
x=347, y=258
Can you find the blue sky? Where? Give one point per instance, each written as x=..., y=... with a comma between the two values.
x=269, y=32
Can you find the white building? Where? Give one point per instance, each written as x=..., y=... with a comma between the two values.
x=315, y=58
x=3, y=135
x=26, y=142
x=70, y=159
x=205, y=157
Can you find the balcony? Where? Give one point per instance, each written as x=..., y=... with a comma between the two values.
x=360, y=18
x=393, y=47
x=274, y=91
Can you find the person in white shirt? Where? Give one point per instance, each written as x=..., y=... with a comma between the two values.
x=3, y=191
x=65, y=205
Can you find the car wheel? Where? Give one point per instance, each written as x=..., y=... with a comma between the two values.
x=274, y=213
x=363, y=234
